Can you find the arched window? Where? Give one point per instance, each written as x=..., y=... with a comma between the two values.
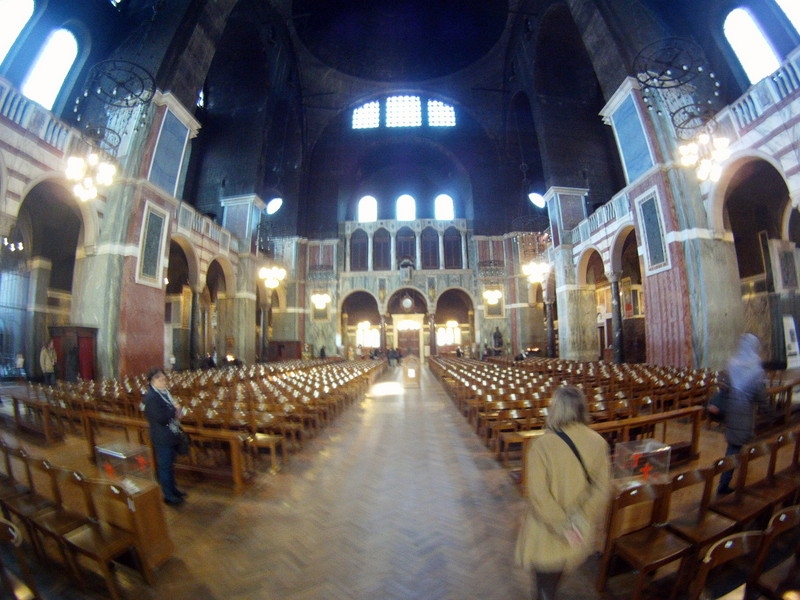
x=429, y=240
x=406, y=244
x=51, y=68
x=406, y=208
x=358, y=250
x=381, y=250
x=791, y=9
x=452, y=249
x=367, y=210
x=751, y=46
x=443, y=208
x=16, y=13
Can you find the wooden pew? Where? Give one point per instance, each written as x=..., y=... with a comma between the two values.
x=33, y=415
x=623, y=430
x=233, y=442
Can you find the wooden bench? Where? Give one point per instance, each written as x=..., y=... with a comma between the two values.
x=205, y=441
x=32, y=415
x=623, y=429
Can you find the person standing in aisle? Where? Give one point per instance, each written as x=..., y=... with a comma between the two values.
x=163, y=414
x=568, y=485
x=47, y=362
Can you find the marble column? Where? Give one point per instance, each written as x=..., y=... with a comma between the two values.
x=550, y=328
x=369, y=251
x=432, y=329
x=194, y=330
x=383, y=334
x=262, y=317
x=441, y=250
x=393, y=249
x=36, y=331
x=616, y=318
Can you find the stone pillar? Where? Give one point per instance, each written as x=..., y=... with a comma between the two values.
x=383, y=334
x=463, y=250
x=392, y=250
x=616, y=318
x=418, y=250
x=550, y=327
x=262, y=346
x=369, y=251
x=441, y=249
x=432, y=329
x=577, y=310
x=194, y=329
x=36, y=332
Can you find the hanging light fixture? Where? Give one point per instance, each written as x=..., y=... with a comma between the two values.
x=705, y=153
x=272, y=276
x=536, y=271
x=492, y=296
x=320, y=301
x=89, y=174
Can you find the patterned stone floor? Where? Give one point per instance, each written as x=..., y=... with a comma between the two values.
x=396, y=499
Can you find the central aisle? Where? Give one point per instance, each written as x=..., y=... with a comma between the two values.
x=396, y=499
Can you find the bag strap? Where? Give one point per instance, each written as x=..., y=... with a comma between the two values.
x=572, y=447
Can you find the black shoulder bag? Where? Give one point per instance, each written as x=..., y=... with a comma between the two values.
x=572, y=447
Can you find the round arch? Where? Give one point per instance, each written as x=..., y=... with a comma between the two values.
x=719, y=193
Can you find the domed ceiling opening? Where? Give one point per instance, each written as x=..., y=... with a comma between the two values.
x=399, y=40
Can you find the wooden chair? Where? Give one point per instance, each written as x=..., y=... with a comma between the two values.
x=635, y=535
x=17, y=587
x=773, y=582
x=696, y=523
x=25, y=506
x=109, y=535
x=743, y=508
x=780, y=490
x=724, y=552
x=65, y=515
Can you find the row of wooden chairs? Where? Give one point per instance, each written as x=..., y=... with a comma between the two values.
x=291, y=402
x=84, y=517
x=678, y=520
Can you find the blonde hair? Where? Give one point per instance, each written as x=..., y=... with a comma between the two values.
x=567, y=406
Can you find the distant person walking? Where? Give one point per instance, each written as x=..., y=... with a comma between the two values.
x=746, y=395
x=47, y=361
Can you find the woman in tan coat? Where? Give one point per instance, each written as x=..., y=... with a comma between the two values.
x=568, y=493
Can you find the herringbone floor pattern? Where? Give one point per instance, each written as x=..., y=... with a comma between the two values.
x=396, y=499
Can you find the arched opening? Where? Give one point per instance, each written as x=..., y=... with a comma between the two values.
x=361, y=325
x=455, y=324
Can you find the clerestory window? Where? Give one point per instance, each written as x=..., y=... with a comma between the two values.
x=16, y=13
x=51, y=68
x=751, y=46
x=403, y=111
x=406, y=208
x=367, y=210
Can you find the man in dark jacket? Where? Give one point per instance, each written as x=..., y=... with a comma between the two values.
x=163, y=412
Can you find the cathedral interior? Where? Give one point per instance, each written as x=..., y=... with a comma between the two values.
x=258, y=180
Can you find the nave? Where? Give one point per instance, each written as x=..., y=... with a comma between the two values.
x=397, y=498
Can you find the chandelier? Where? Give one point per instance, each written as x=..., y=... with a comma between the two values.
x=492, y=296
x=272, y=276
x=89, y=174
x=705, y=153
x=320, y=301
x=536, y=271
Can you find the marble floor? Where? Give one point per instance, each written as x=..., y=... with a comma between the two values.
x=398, y=498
